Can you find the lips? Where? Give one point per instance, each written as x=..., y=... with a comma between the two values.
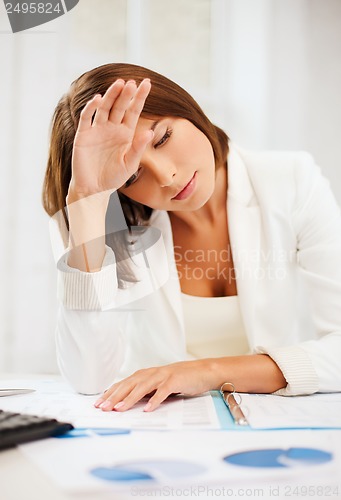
x=187, y=190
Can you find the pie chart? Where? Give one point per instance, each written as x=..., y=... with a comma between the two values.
x=279, y=457
x=149, y=470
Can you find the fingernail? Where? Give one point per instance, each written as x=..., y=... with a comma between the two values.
x=147, y=407
x=131, y=81
x=99, y=402
x=106, y=405
x=119, y=405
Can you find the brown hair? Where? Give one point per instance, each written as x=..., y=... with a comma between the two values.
x=166, y=98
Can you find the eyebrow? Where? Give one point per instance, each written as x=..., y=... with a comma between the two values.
x=154, y=125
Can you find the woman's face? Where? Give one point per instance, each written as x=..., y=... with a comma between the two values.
x=177, y=169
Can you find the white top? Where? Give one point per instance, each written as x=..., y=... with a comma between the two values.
x=214, y=326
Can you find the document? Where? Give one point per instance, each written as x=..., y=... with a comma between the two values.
x=267, y=411
x=191, y=462
x=58, y=400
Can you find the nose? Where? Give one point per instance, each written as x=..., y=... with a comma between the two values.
x=167, y=179
x=164, y=170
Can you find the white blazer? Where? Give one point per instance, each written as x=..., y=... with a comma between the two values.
x=285, y=235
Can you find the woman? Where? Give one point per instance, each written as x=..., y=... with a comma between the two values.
x=255, y=239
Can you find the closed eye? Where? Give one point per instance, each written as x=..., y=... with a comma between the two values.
x=161, y=142
x=164, y=138
x=133, y=178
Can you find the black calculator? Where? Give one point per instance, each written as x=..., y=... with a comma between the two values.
x=17, y=428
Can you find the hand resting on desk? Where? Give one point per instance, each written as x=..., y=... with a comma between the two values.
x=188, y=377
x=251, y=373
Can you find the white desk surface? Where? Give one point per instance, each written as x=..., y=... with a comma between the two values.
x=22, y=480
x=18, y=477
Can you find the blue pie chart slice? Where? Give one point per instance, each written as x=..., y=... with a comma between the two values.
x=279, y=457
x=88, y=432
x=145, y=469
x=120, y=475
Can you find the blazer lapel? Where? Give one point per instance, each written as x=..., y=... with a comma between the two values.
x=244, y=222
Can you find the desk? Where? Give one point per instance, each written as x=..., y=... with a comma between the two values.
x=20, y=479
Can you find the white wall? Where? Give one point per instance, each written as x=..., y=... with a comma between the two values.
x=268, y=71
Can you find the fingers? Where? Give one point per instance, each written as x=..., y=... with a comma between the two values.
x=137, y=394
x=186, y=377
x=125, y=394
x=160, y=395
x=122, y=103
x=138, y=146
x=135, y=108
x=119, y=402
x=127, y=402
x=108, y=100
x=85, y=120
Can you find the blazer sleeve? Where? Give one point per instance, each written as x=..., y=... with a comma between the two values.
x=314, y=365
x=94, y=311
x=88, y=340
